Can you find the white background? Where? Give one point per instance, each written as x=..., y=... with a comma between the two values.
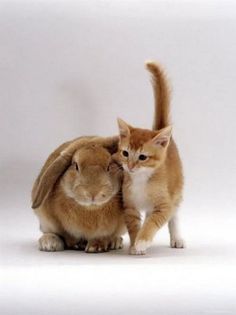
x=69, y=68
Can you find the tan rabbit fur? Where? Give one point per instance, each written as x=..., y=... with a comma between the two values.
x=153, y=180
x=77, y=197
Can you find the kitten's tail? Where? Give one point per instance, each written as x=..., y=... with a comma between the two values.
x=161, y=94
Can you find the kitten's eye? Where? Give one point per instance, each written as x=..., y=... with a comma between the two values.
x=125, y=153
x=142, y=157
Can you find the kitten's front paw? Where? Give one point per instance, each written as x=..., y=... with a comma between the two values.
x=140, y=247
x=50, y=242
x=177, y=243
x=134, y=251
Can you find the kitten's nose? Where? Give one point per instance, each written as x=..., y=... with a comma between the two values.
x=130, y=165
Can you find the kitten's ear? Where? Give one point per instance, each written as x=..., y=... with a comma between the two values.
x=124, y=128
x=163, y=137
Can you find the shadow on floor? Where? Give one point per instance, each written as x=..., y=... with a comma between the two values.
x=25, y=252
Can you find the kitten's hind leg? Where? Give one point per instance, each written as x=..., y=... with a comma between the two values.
x=176, y=240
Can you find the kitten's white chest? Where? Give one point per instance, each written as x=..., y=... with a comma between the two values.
x=139, y=190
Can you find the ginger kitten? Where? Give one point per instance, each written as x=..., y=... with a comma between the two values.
x=153, y=179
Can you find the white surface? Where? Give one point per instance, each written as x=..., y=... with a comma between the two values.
x=198, y=280
x=69, y=68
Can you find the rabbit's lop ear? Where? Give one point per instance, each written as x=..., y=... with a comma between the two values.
x=49, y=178
x=54, y=167
x=111, y=144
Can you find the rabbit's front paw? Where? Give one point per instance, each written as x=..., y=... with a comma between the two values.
x=116, y=243
x=97, y=246
x=50, y=242
x=74, y=244
x=81, y=244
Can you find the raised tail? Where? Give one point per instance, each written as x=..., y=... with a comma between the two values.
x=161, y=95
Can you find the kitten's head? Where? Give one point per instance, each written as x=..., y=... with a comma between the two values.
x=142, y=149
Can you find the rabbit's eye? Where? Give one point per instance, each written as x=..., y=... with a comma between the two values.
x=76, y=166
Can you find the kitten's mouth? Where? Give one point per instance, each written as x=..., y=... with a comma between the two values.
x=132, y=171
x=129, y=170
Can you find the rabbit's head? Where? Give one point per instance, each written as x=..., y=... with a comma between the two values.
x=93, y=177
x=85, y=170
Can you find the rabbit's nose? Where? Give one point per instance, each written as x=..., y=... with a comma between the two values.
x=93, y=196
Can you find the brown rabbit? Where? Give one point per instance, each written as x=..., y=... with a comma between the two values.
x=77, y=197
